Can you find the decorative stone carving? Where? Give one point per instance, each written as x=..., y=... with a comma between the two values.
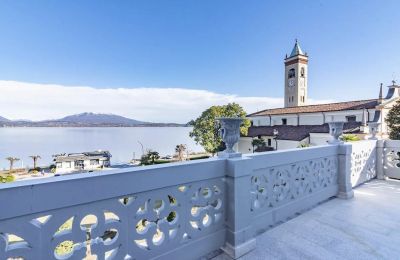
x=373, y=130
x=136, y=226
x=230, y=133
x=275, y=186
x=335, y=130
x=363, y=163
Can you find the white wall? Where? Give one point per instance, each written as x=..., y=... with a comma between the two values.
x=287, y=144
x=319, y=138
x=244, y=145
x=290, y=119
x=311, y=118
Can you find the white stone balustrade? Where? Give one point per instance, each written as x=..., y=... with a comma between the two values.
x=182, y=210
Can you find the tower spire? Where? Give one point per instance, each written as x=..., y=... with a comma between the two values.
x=296, y=49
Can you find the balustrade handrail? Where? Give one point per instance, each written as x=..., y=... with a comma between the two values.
x=227, y=203
x=34, y=196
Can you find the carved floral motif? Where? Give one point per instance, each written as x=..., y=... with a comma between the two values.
x=274, y=186
x=139, y=226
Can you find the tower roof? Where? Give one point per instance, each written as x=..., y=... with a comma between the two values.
x=296, y=50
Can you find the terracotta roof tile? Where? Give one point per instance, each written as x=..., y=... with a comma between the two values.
x=298, y=133
x=349, y=105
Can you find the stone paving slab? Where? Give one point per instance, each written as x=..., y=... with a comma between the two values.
x=365, y=227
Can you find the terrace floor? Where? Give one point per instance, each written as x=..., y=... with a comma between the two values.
x=365, y=227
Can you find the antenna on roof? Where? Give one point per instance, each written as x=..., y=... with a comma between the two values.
x=381, y=94
x=394, y=78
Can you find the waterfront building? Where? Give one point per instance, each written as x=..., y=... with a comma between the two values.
x=86, y=161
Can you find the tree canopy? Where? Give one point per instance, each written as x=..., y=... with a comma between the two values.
x=149, y=158
x=206, y=130
x=257, y=143
x=393, y=121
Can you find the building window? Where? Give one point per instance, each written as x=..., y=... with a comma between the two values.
x=291, y=73
x=94, y=162
x=284, y=121
x=351, y=118
x=67, y=164
x=269, y=142
x=79, y=164
x=302, y=72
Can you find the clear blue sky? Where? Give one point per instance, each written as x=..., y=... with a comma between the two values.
x=224, y=46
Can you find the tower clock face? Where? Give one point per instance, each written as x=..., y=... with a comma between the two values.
x=291, y=82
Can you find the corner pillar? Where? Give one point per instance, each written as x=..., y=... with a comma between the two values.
x=344, y=178
x=239, y=237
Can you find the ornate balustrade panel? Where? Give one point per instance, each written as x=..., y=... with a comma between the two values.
x=276, y=186
x=363, y=162
x=391, y=155
x=136, y=225
x=299, y=180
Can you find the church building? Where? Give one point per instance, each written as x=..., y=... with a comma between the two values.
x=299, y=124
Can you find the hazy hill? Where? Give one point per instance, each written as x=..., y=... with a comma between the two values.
x=3, y=119
x=83, y=120
x=92, y=118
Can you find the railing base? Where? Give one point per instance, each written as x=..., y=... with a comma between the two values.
x=234, y=252
x=345, y=195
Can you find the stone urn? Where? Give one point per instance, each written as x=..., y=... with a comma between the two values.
x=373, y=130
x=335, y=130
x=230, y=132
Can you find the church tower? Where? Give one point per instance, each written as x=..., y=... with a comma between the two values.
x=296, y=75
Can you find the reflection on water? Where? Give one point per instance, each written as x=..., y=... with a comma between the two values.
x=122, y=142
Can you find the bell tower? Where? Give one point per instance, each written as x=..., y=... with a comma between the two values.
x=296, y=76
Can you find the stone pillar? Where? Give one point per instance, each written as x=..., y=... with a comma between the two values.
x=344, y=178
x=380, y=146
x=239, y=237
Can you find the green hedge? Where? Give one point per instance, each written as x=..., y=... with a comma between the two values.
x=6, y=178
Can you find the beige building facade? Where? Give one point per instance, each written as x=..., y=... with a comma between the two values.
x=299, y=124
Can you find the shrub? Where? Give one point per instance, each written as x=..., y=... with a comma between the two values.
x=303, y=145
x=7, y=178
x=350, y=138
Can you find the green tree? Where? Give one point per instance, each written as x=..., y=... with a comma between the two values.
x=180, y=150
x=149, y=158
x=11, y=161
x=35, y=158
x=206, y=131
x=257, y=143
x=393, y=121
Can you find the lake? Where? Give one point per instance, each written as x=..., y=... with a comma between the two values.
x=122, y=142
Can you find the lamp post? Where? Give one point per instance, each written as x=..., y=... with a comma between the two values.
x=276, y=133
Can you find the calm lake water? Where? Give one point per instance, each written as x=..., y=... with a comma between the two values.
x=122, y=142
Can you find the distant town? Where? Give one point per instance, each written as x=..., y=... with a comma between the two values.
x=86, y=119
x=88, y=162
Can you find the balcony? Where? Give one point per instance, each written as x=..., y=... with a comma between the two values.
x=322, y=202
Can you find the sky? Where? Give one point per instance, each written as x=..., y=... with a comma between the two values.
x=166, y=61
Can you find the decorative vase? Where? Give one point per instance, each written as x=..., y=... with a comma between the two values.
x=230, y=132
x=373, y=130
x=335, y=130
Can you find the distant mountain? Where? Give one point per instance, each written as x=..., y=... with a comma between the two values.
x=84, y=120
x=92, y=118
x=3, y=119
